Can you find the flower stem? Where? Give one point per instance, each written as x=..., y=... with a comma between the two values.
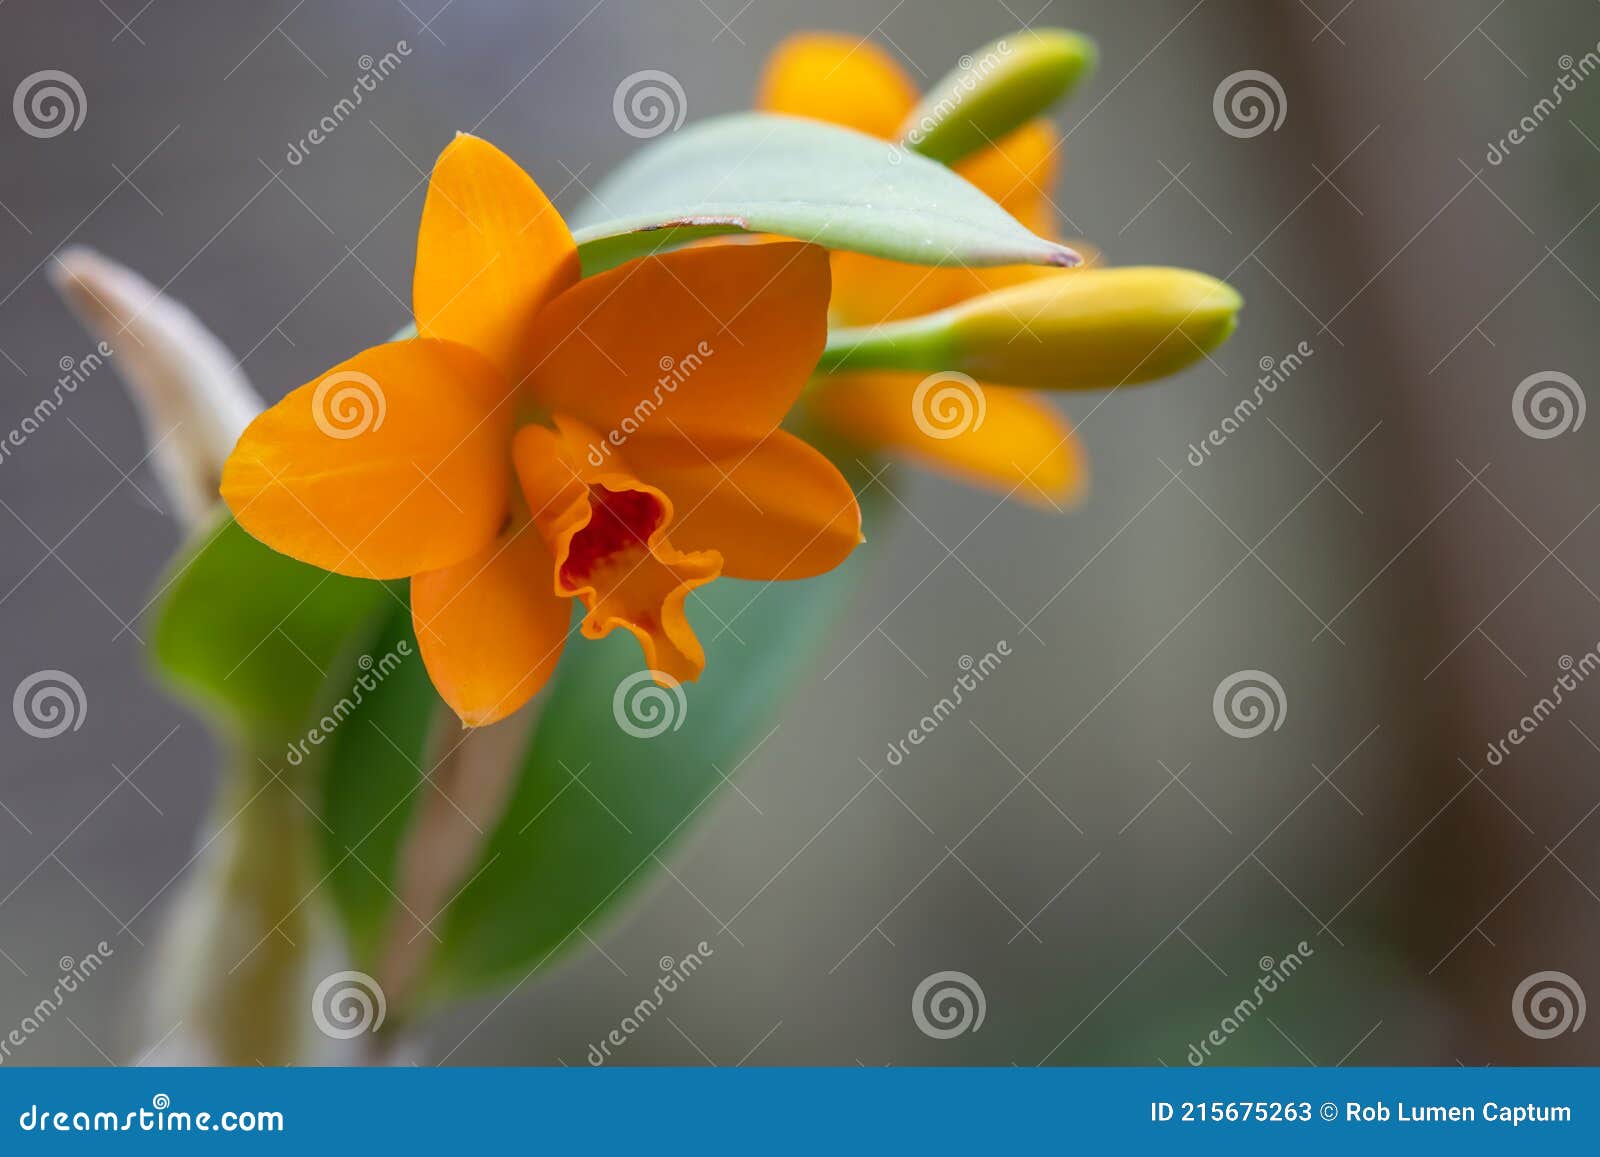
x=917, y=344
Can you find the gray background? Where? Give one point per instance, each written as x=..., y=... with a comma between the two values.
x=1384, y=493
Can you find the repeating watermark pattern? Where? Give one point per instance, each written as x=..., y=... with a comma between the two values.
x=1274, y=973
x=1573, y=73
x=373, y=73
x=974, y=672
x=50, y=106
x=49, y=703
x=74, y=372
x=49, y=103
x=948, y=1004
x=1548, y=1004
x=673, y=974
x=972, y=72
x=1576, y=671
x=674, y=372
x=1274, y=373
x=1249, y=703
x=348, y=1004
x=649, y=703
x=1548, y=404
x=648, y=103
x=1249, y=102
x=372, y=674
x=347, y=404
x=73, y=974
x=948, y=404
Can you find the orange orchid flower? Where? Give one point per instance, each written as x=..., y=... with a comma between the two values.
x=1023, y=446
x=612, y=441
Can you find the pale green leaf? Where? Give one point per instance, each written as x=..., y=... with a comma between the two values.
x=760, y=173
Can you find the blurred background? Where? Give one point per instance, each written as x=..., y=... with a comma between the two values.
x=1084, y=841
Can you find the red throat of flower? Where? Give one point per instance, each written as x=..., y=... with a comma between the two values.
x=618, y=562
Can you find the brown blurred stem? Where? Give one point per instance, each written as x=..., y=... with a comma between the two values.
x=470, y=778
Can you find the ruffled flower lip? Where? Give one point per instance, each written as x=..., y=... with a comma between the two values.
x=612, y=554
x=618, y=520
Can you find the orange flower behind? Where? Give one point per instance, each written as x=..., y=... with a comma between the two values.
x=544, y=440
x=1030, y=451
x=855, y=83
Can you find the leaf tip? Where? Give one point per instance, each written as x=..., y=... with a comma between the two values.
x=1063, y=256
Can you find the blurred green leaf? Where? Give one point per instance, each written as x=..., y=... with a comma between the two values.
x=594, y=803
x=759, y=173
x=257, y=641
x=274, y=646
x=371, y=775
x=250, y=634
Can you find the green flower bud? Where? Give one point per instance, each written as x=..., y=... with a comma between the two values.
x=996, y=89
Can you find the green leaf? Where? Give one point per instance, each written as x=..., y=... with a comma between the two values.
x=256, y=640
x=317, y=676
x=249, y=633
x=594, y=803
x=759, y=173
x=997, y=88
x=279, y=649
x=371, y=775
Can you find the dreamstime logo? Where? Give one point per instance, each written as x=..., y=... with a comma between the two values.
x=674, y=973
x=373, y=673
x=1573, y=674
x=948, y=404
x=1274, y=974
x=49, y=703
x=74, y=974
x=48, y=103
x=1548, y=404
x=1248, y=103
x=973, y=672
x=348, y=404
x=347, y=1004
x=1573, y=73
x=973, y=71
x=160, y=1117
x=674, y=372
x=372, y=73
x=74, y=372
x=1274, y=373
x=649, y=703
x=948, y=1004
x=1548, y=1004
x=648, y=103
x=1249, y=703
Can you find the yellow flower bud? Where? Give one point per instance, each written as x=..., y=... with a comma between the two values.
x=1082, y=330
